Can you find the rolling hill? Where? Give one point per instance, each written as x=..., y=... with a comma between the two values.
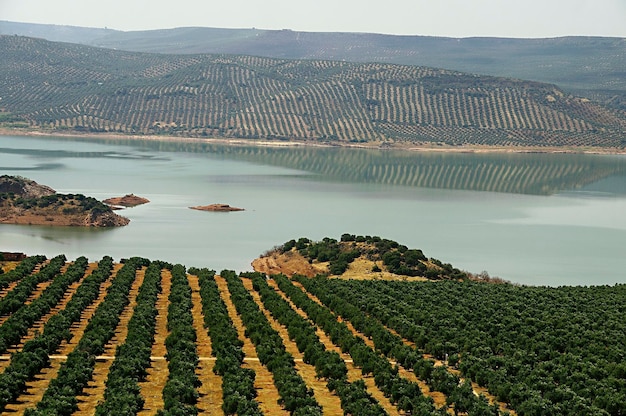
x=61, y=87
x=592, y=67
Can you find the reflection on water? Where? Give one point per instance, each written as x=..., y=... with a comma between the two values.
x=45, y=153
x=533, y=174
x=522, y=232
x=38, y=166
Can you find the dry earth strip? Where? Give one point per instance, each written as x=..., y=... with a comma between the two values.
x=38, y=326
x=354, y=372
x=94, y=392
x=152, y=387
x=264, y=381
x=36, y=388
x=330, y=402
x=210, y=400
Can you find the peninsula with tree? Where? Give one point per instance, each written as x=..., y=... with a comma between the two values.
x=24, y=201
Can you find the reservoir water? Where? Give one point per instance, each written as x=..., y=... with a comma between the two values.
x=538, y=219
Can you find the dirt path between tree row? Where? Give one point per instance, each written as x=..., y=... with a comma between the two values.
x=264, y=381
x=152, y=387
x=94, y=391
x=331, y=405
x=210, y=400
x=437, y=396
x=354, y=372
x=37, y=387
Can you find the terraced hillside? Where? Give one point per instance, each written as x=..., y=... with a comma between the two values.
x=148, y=337
x=61, y=87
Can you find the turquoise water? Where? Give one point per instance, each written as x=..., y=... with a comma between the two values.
x=555, y=220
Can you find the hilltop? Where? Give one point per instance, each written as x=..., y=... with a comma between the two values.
x=59, y=87
x=355, y=257
x=24, y=187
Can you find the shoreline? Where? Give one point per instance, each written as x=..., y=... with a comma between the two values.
x=407, y=146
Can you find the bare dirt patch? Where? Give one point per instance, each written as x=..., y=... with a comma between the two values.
x=363, y=269
x=292, y=262
x=288, y=263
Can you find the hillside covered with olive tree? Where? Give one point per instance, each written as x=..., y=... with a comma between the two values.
x=150, y=337
x=588, y=66
x=59, y=87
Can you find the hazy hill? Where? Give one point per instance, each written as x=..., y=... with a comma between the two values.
x=587, y=66
x=69, y=86
x=58, y=33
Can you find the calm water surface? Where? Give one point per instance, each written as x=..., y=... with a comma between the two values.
x=554, y=220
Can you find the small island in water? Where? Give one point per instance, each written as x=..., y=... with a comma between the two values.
x=24, y=201
x=217, y=208
x=126, y=201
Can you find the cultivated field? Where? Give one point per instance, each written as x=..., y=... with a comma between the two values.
x=147, y=337
x=66, y=87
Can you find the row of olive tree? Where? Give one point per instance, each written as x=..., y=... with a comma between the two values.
x=17, y=325
x=34, y=356
x=180, y=393
x=24, y=268
x=459, y=394
x=328, y=364
x=405, y=394
x=122, y=393
x=238, y=392
x=61, y=395
x=538, y=348
x=15, y=299
x=295, y=396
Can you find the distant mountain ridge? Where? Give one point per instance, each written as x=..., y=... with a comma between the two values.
x=55, y=33
x=70, y=87
x=589, y=66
